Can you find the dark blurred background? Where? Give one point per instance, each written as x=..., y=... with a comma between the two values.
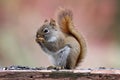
x=97, y=20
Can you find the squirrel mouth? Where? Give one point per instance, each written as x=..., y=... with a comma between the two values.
x=40, y=39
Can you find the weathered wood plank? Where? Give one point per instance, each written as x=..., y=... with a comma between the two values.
x=60, y=75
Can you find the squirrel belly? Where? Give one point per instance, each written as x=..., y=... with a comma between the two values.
x=60, y=58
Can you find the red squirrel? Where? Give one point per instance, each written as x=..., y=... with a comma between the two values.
x=61, y=41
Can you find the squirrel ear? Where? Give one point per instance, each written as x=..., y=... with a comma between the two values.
x=52, y=22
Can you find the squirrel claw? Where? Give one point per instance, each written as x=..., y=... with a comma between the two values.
x=55, y=67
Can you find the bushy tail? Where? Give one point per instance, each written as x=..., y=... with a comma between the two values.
x=65, y=21
x=64, y=17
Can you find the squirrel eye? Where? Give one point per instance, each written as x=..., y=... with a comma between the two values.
x=46, y=30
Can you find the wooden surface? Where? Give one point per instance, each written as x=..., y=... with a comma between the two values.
x=60, y=75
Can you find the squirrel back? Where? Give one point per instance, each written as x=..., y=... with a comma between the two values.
x=65, y=21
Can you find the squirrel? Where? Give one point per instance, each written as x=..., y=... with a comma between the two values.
x=65, y=46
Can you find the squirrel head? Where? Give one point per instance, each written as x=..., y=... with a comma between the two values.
x=48, y=32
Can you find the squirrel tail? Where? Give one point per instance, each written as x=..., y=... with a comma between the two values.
x=65, y=21
x=64, y=18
